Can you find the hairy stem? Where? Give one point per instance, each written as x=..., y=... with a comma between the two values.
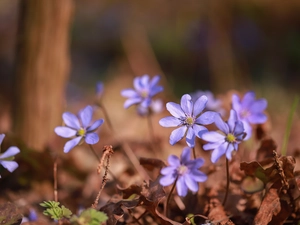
x=227, y=184
x=169, y=197
x=194, y=152
x=94, y=152
x=152, y=136
x=150, y=125
x=106, y=116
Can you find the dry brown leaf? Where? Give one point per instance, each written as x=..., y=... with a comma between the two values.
x=114, y=210
x=9, y=214
x=147, y=196
x=266, y=149
x=151, y=163
x=272, y=208
x=217, y=214
x=254, y=168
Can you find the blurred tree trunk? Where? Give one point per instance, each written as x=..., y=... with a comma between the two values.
x=42, y=69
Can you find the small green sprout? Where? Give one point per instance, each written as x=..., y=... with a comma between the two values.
x=55, y=211
x=89, y=217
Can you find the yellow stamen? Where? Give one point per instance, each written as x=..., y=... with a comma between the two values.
x=230, y=138
x=81, y=132
x=144, y=93
x=182, y=169
x=189, y=120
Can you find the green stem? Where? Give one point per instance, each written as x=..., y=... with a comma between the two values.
x=227, y=185
x=289, y=126
x=169, y=197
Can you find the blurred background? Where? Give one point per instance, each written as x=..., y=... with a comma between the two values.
x=53, y=52
x=207, y=45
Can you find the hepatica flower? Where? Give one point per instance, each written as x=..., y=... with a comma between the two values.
x=143, y=92
x=249, y=111
x=79, y=128
x=213, y=103
x=156, y=106
x=226, y=141
x=99, y=89
x=188, y=118
x=6, y=158
x=184, y=171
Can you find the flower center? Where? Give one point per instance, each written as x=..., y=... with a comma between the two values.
x=244, y=114
x=144, y=93
x=182, y=170
x=81, y=132
x=230, y=138
x=189, y=120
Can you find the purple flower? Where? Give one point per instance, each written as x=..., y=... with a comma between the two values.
x=78, y=128
x=7, y=157
x=227, y=141
x=99, y=88
x=187, y=116
x=156, y=106
x=184, y=171
x=145, y=89
x=213, y=103
x=250, y=111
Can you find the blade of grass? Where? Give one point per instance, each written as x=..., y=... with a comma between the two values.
x=289, y=126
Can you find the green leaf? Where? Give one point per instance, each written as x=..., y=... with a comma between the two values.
x=66, y=212
x=55, y=211
x=50, y=204
x=89, y=217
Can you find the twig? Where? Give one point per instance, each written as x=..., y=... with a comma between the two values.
x=111, y=173
x=55, y=179
x=142, y=215
x=135, y=219
x=107, y=152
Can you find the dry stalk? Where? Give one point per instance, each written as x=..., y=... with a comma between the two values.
x=55, y=179
x=107, y=152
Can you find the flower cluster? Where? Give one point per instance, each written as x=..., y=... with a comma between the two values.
x=6, y=158
x=79, y=128
x=184, y=171
x=249, y=111
x=190, y=119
